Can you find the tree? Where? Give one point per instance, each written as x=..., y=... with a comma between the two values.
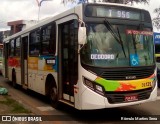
x=111, y=1
x=136, y=1
x=156, y=20
x=66, y=1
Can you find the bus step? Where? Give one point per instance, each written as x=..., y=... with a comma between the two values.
x=66, y=102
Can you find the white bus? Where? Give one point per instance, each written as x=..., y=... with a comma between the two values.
x=92, y=56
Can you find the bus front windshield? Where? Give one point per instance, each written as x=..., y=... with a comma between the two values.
x=117, y=46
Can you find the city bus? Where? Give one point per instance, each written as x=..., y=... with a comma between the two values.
x=92, y=56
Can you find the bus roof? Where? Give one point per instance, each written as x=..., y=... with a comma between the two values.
x=58, y=16
x=116, y=4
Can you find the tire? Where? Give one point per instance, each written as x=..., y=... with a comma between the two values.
x=14, y=84
x=53, y=95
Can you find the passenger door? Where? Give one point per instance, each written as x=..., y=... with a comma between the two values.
x=6, y=53
x=24, y=61
x=68, y=56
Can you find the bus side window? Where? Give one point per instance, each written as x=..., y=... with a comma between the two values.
x=12, y=48
x=34, y=46
x=17, y=47
x=48, y=39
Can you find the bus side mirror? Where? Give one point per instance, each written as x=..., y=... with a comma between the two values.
x=82, y=35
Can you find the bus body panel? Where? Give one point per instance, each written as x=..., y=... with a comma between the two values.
x=18, y=78
x=79, y=87
x=14, y=65
x=37, y=81
x=92, y=100
x=38, y=71
x=10, y=73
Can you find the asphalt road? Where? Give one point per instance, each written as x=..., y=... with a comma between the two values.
x=39, y=105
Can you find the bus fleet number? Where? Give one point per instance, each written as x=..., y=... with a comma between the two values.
x=123, y=14
x=146, y=84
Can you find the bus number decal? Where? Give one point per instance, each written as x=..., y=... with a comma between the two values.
x=123, y=14
x=147, y=84
x=51, y=61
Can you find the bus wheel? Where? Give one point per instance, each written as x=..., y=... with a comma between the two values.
x=14, y=84
x=53, y=95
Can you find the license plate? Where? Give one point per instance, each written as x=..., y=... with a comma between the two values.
x=131, y=98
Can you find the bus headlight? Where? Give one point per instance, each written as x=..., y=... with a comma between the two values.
x=89, y=83
x=99, y=88
x=93, y=86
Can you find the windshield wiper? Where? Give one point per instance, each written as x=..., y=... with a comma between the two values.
x=134, y=43
x=121, y=42
x=116, y=37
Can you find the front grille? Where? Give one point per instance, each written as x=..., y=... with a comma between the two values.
x=119, y=97
x=121, y=74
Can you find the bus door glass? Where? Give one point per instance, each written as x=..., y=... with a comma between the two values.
x=69, y=58
x=24, y=65
x=6, y=53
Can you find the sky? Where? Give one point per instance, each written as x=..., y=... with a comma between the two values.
x=11, y=10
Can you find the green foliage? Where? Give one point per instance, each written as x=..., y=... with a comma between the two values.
x=112, y=1
x=15, y=106
x=136, y=1
x=156, y=19
x=67, y=1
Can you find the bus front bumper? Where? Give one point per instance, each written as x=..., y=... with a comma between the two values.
x=92, y=100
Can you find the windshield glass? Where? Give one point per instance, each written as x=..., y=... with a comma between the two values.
x=118, y=46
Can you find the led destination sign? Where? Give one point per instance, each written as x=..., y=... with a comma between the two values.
x=112, y=12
